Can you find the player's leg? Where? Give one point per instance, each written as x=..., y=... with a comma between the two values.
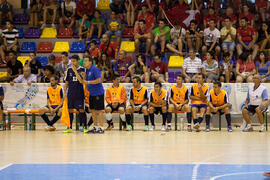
x=42, y=112
x=151, y=111
x=207, y=118
x=99, y=107
x=129, y=111
x=164, y=117
x=186, y=108
x=144, y=110
x=55, y=119
x=260, y=118
x=171, y=109
x=228, y=118
x=194, y=111
x=245, y=113
x=121, y=111
x=108, y=115
x=83, y=119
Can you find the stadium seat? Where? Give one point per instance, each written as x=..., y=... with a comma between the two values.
x=21, y=32
x=176, y=62
x=60, y=47
x=103, y=5
x=3, y=74
x=22, y=59
x=171, y=77
x=21, y=19
x=176, y=74
x=45, y=47
x=75, y=35
x=58, y=59
x=43, y=60
x=77, y=47
x=128, y=46
x=65, y=33
x=48, y=33
x=28, y=47
x=128, y=32
x=33, y=33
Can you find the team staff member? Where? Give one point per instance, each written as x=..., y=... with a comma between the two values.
x=116, y=98
x=158, y=103
x=138, y=101
x=198, y=95
x=178, y=101
x=218, y=103
x=54, y=104
x=96, y=90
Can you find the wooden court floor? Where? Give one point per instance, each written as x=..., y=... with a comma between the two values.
x=175, y=147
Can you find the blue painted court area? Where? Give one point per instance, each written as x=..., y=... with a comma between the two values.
x=133, y=172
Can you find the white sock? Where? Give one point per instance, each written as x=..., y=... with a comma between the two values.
x=108, y=116
x=123, y=117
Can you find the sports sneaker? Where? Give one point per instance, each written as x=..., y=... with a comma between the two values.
x=43, y=26
x=262, y=128
x=146, y=128
x=1, y=127
x=152, y=128
x=163, y=128
x=100, y=131
x=267, y=174
x=229, y=128
x=47, y=128
x=92, y=131
x=207, y=128
x=243, y=126
x=68, y=130
x=189, y=129
x=51, y=128
x=169, y=128
x=110, y=127
x=81, y=128
x=85, y=130
x=197, y=127
x=129, y=128
x=53, y=26
x=249, y=128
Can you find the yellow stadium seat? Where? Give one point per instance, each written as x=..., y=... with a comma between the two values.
x=266, y=50
x=60, y=47
x=176, y=62
x=3, y=74
x=23, y=59
x=103, y=5
x=128, y=46
x=48, y=33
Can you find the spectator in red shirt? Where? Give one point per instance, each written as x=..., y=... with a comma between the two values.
x=147, y=16
x=142, y=34
x=108, y=47
x=247, y=14
x=86, y=6
x=261, y=8
x=159, y=70
x=246, y=38
x=210, y=16
x=215, y=4
x=229, y=13
x=121, y=67
x=245, y=68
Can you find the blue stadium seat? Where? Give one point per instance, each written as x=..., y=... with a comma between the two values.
x=28, y=47
x=43, y=60
x=77, y=47
x=21, y=32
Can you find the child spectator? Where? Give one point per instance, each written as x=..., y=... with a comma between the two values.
x=84, y=26
x=114, y=27
x=48, y=73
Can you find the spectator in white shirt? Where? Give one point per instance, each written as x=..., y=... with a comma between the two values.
x=26, y=77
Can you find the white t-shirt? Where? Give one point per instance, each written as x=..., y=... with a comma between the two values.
x=69, y=7
x=192, y=66
x=211, y=35
x=176, y=33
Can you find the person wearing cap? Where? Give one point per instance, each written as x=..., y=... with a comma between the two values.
x=53, y=63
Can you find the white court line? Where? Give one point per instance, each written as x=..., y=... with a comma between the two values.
x=6, y=166
x=195, y=171
x=235, y=174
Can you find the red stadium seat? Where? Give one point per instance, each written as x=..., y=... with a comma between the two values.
x=45, y=47
x=65, y=33
x=128, y=32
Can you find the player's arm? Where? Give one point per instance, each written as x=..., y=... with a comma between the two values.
x=131, y=102
x=171, y=101
x=192, y=97
x=150, y=103
x=49, y=102
x=186, y=98
x=247, y=100
x=145, y=98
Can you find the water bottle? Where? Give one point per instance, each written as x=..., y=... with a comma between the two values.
x=30, y=123
x=182, y=125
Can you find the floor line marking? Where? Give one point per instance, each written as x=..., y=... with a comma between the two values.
x=235, y=174
x=6, y=166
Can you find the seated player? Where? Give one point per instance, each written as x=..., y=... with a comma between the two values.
x=218, y=103
x=198, y=95
x=116, y=98
x=138, y=101
x=178, y=101
x=158, y=103
x=54, y=104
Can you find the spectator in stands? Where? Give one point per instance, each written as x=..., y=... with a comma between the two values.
x=178, y=34
x=110, y=48
x=26, y=77
x=5, y=11
x=245, y=68
x=211, y=38
x=245, y=13
x=93, y=51
x=142, y=35
x=159, y=70
x=226, y=68
x=34, y=65
x=194, y=35
x=210, y=68
x=140, y=68
x=246, y=38
x=82, y=56
x=64, y=65
x=263, y=67
x=147, y=16
x=86, y=7
x=114, y=27
x=105, y=67
x=192, y=66
x=121, y=67
x=51, y=8
x=118, y=6
x=193, y=11
x=53, y=63
x=36, y=7
x=161, y=37
x=48, y=73
x=211, y=15
x=131, y=6
x=264, y=36
x=14, y=68
x=84, y=26
x=229, y=13
x=10, y=40
x=261, y=7
x=68, y=13
x=97, y=25
x=228, y=36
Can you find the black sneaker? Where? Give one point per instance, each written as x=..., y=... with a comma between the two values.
x=100, y=131
x=92, y=131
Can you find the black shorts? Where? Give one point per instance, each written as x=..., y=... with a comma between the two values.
x=140, y=111
x=158, y=110
x=75, y=103
x=218, y=112
x=1, y=105
x=116, y=109
x=96, y=102
x=252, y=109
x=210, y=44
